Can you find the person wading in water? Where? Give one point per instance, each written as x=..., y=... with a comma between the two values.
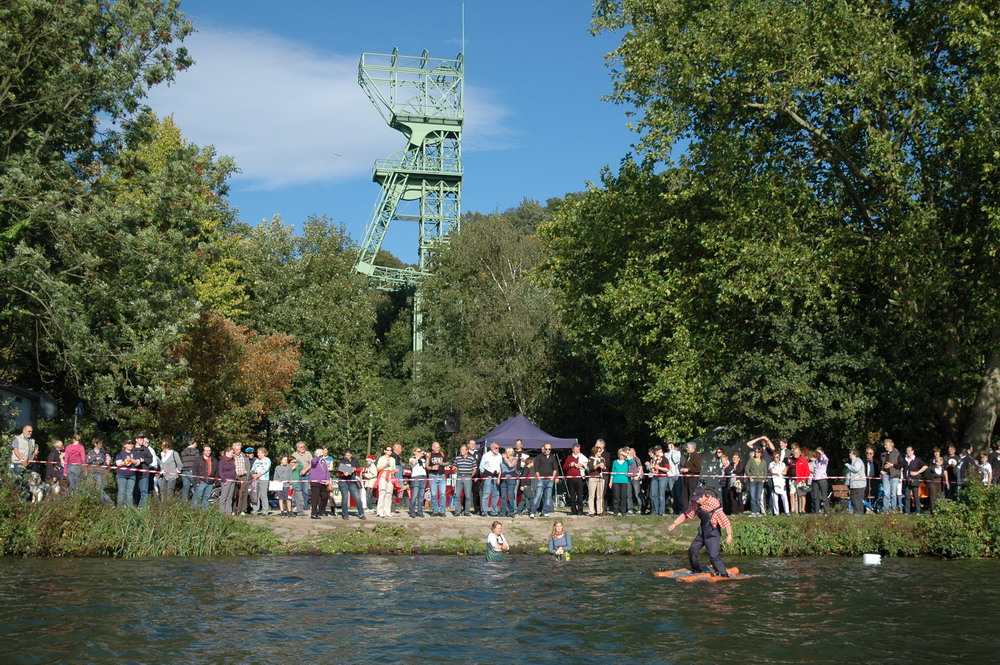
x=709, y=536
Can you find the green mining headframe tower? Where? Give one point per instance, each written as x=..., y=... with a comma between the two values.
x=422, y=98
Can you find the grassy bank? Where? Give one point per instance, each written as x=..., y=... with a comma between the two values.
x=85, y=525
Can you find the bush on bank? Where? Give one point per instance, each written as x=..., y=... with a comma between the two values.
x=86, y=525
x=968, y=527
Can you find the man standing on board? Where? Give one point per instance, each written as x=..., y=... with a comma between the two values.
x=709, y=535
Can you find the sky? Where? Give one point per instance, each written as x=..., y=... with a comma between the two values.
x=274, y=85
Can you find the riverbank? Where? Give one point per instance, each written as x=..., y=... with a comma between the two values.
x=85, y=525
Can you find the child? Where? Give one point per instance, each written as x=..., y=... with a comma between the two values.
x=496, y=543
x=283, y=473
x=777, y=469
x=560, y=542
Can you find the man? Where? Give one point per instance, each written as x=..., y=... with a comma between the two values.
x=437, y=464
x=207, y=473
x=658, y=470
x=466, y=468
x=574, y=468
x=347, y=480
x=477, y=484
x=23, y=450
x=489, y=471
x=55, y=470
x=189, y=459
x=397, y=454
x=690, y=470
x=547, y=473
x=709, y=535
x=966, y=466
x=603, y=484
x=913, y=471
x=675, y=487
x=300, y=490
x=994, y=460
x=243, y=464
x=891, y=466
x=872, y=472
x=143, y=477
x=519, y=451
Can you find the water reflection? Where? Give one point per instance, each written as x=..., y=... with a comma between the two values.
x=432, y=609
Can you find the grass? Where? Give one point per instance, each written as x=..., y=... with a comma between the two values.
x=85, y=525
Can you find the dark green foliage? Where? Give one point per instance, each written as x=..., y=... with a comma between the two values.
x=84, y=525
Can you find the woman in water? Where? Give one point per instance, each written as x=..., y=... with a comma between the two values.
x=496, y=543
x=560, y=542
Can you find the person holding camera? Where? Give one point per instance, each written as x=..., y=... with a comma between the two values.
x=418, y=481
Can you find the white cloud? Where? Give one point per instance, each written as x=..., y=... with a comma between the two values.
x=290, y=114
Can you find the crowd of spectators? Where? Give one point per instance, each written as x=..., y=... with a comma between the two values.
x=758, y=477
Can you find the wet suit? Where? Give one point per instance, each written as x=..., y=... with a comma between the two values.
x=709, y=536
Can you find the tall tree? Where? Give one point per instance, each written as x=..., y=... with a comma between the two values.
x=846, y=150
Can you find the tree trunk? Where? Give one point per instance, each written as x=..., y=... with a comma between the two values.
x=984, y=412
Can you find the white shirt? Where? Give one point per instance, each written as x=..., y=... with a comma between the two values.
x=674, y=468
x=491, y=462
x=494, y=541
x=777, y=469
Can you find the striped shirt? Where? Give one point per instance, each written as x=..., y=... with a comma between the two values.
x=709, y=505
x=464, y=466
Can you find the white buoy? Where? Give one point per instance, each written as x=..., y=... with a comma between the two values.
x=872, y=559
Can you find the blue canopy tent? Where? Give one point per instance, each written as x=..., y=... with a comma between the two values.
x=519, y=427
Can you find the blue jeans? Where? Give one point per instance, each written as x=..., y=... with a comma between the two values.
x=756, y=492
x=463, y=495
x=74, y=472
x=438, y=494
x=890, y=487
x=543, y=496
x=300, y=496
x=508, y=497
x=657, y=494
x=202, y=493
x=143, y=480
x=187, y=484
x=674, y=487
x=417, y=496
x=125, y=486
x=489, y=496
x=349, y=489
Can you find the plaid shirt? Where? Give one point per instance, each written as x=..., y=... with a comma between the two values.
x=711, y=505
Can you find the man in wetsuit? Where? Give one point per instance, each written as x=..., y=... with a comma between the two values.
x=713, y=520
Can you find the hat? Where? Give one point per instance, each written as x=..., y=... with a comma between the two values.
x=140, y=436
x=249, y=449
x=370, y=457
x=657, y=448
x=698, y=493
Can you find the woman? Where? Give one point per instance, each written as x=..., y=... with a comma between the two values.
x=777, y=470
x=418, y=482
x=283, y=474
x=856, y=482
x=820, y=483
x=725, y=482
x=370, y=476
x=170, y=465
x=510, y=468
x=227, y=476
x=206, y=470
x=736, y=481
x=595, y=482
x=560, y=543
x=319, y=483
x=261, y=474
x=756, y=472
x=496, y=543
x=659, y=467
x=635, y=482
x=97, y=457
x=620, y=482
x=936, y=476
x=799, y=470
x=386, y=466
x=527, y=485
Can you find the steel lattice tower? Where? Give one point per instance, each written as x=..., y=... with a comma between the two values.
x=422, y=98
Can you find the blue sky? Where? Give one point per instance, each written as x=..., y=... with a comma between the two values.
x=275, y=86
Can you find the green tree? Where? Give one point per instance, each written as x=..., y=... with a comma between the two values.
x=847, y=153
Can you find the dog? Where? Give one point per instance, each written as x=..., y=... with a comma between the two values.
x=36, y=488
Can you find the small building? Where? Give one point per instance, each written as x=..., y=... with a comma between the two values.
x=20, y=406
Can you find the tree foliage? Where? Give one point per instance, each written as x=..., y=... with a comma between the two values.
x=823, y=261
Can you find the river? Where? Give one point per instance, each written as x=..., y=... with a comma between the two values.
x=447, y=609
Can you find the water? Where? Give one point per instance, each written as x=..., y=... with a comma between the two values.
x=437, y=609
